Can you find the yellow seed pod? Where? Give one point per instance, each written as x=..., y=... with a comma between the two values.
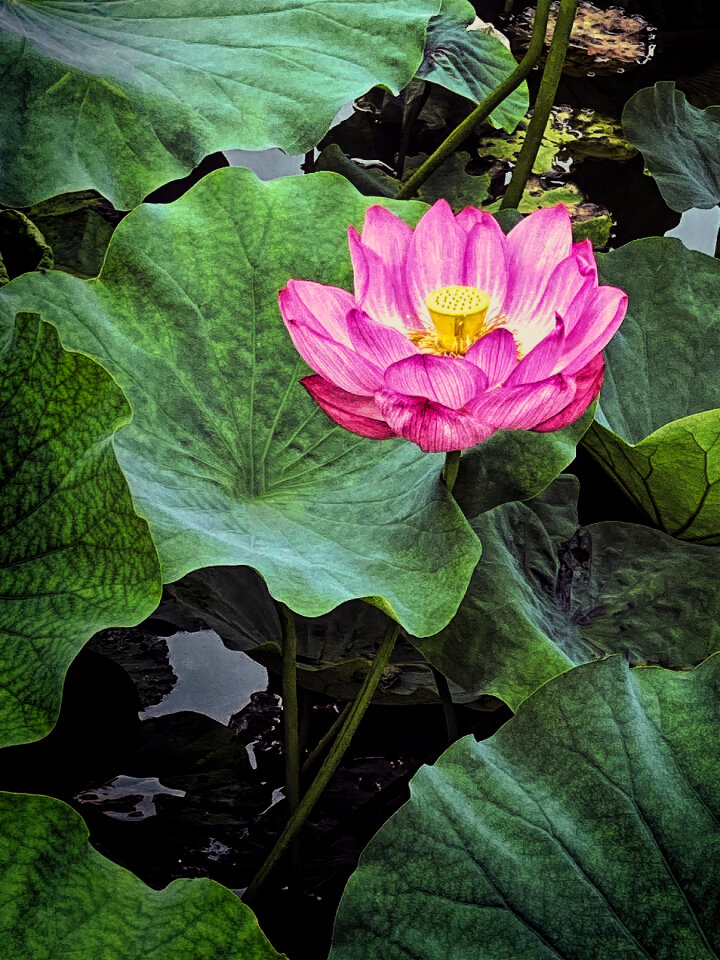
x=457, y=313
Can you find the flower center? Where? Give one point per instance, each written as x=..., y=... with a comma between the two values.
x=459, y=319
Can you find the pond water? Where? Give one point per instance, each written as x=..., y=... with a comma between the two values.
x=211, y=679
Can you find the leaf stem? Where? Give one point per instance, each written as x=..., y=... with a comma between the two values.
x=484, y=109
x=450, y=470
x=290, y=710
x=543, y=104
x=330, y=764
x=447, y=704
x=412, y=112
x=322, y=744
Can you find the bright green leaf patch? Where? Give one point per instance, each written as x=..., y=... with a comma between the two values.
x=59, y=897
x=74, y=555
x=680, y=144
x=658, y=423
x=471, y=63
x=122, y=97
x=587, y=827
x=227, y=456
x=548, y=594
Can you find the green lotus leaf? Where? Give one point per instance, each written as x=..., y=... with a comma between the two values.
x=548, y=594
x=59, y=897
x=471, y=63
x=334, y=651
x=74, y=555
x=122, y=97
x=588, y=826
x=658, y=423
x=227, y=456
x=680, y=144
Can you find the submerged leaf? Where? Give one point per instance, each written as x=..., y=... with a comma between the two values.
x=74, y=555
x=603, y=41
x=587, y=827
x=571, y=135
x=589, y=221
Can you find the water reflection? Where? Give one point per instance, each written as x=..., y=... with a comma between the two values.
x=274, y=163
x=698, y=230
x=267, y=164
x=127, y=798
x=211, y=679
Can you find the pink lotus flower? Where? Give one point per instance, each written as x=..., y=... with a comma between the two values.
x=456, y=330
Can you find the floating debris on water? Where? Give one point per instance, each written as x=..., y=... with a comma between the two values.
x=602, y=42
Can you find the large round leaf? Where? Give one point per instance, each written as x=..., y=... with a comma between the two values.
x=471, y=62
x=74, y=555
x=680, y=144
x=547, y=595
x=587, y=827
x=60, y=898
x=227, y=456
x=122, y=97
x=658, y=423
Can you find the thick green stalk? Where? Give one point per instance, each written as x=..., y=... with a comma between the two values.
x=330, y=764
x=450, y=470
x=484, y=109
x=543, y=104
x=290, y=710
